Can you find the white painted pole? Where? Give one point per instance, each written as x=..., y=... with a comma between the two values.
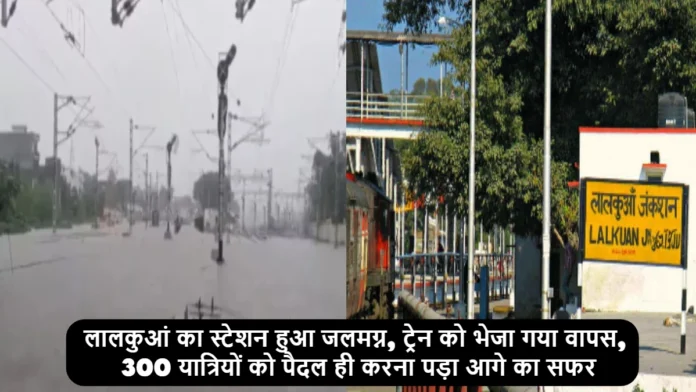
x=546, y=233
x=472, y=168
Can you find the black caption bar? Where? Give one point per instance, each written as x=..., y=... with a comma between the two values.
x=351, y=353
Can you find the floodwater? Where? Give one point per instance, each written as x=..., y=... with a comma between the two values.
x=51, y=281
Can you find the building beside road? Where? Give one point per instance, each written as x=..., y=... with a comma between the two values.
x=21, y=147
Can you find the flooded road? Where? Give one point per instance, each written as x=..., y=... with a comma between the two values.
x=51, y=281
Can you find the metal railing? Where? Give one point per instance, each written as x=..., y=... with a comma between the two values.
x=372, y=105
x=434, y=277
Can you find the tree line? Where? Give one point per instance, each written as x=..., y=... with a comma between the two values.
x=26, y=198
x=326, y=191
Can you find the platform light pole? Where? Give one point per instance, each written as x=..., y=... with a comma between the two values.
x=546, y=232
x=472, y=163
x=472, y=167
x=222, y=73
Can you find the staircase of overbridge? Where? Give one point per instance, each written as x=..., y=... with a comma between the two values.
x=383, y=116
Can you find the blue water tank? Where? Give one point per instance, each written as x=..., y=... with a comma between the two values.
x=671, y=111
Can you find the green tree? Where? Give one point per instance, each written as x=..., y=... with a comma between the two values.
x=9, y=189
x=205, y=190
x=426, y=87
x=611, y=59
x=327, y=196
x=419, y=87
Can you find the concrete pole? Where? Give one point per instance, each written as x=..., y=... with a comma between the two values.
x=228, y=200
x=403, y=78
x=221, y=127
x=147, y=191
x=168, y=233
x=130, y=180
x=472, y=167
x=268, y=210
x=320, y=210
x=157, y=191
x=546, y=233
x=362, y=77
x=55, y=162
x=442, y=74
x=243, y=205
x=221, y=195
x=265, y=215
x=96, y=184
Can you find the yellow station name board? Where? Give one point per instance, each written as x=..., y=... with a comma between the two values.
x=404, y=208
x=634, y=222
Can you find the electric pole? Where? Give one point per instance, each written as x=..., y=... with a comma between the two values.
x=157, y=193
x=265, y=231
x=238, y=177
x=229, y=170
x=277, y=195
x=96, y=183
x=222, y=73
x=269, y=210
x=171, y=145
x=243, y=212
x=60, y=102
x=337, y=182
x=254, y=136
x=130, y=179
x=546, y=224
x=147, y=190
x=131, y=155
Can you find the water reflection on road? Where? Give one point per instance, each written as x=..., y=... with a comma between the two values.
x=54, y=280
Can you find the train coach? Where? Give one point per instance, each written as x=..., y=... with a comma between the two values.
x=369, y=258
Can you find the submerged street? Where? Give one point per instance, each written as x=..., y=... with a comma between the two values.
x=53, y=281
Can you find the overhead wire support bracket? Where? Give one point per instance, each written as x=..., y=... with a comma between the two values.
x=202, y=147
x=142, y=144
x=77, y=120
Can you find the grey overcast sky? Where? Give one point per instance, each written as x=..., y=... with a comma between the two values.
x=153, y=70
